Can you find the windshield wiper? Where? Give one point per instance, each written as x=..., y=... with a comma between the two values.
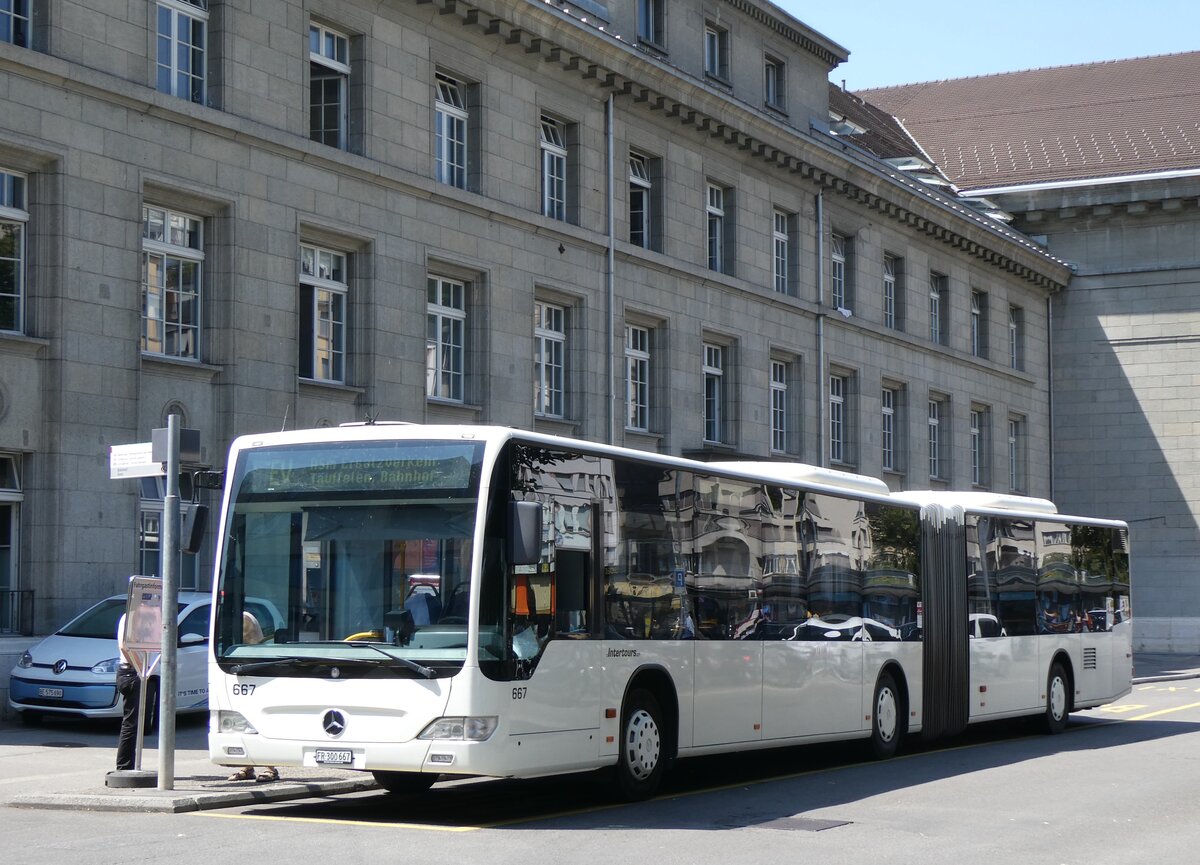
x=421, y=669
x=290, y=661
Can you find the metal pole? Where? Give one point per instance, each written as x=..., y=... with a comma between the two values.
x=169, y=564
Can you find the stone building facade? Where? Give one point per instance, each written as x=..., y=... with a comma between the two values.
x=1101, y=163
x=628, y=222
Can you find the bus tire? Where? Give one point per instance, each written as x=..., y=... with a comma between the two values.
x=1058, y=699
x=887, y=717
x=402, y=783
x=643, y=758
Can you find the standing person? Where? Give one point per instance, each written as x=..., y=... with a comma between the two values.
x=252, y=634
x=129, y=687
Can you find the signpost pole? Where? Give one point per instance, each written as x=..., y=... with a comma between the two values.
x=169, y=568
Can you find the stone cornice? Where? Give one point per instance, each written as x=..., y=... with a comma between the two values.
x=613, y=65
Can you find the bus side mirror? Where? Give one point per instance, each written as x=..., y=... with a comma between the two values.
x=524, y=533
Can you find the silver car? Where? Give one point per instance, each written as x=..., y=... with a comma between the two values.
x=73, y=671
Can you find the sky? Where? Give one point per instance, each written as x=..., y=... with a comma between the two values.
x=898, y=43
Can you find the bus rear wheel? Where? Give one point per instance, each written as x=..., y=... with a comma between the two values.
x=1058, y=699
x=404, y=782
x=642, y=758
x=887, y=718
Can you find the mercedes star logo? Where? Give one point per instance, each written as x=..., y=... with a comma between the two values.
x=334, y=723
x=60, y=666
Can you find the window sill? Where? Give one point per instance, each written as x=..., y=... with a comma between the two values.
x=719, y=80
x=453, y=411
x=179, y=367
x=775, y=109
x=12, y=342
x=317, y=384
x=555, y=425
x=651, y=47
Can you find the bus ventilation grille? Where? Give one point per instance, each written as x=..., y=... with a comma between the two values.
x=1089, y=659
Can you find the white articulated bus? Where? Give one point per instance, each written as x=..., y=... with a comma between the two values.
x=462, y=600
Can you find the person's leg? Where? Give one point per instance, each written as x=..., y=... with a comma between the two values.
x=127, y=687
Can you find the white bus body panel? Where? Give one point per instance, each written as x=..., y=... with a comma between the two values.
x=812, y=688
x=1010, y=669
x=729, y=699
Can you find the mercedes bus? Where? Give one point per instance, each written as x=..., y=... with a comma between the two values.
x=470, y=600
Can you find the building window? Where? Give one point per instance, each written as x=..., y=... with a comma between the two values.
x=888, y=435
x=936, y=466
x=891, y=271
x=13, y=218
x=323, y=288
x=1016, y=461
x=838, y=393
x=716, y=51
x=549, y=359
x=450, y=132
x=182, y=27
x=714, y=392
x=10, y=522
x=172, y=259
x=637, y=378
x=329, y=86
x=14, y=24
x=979, y=339
x=650, y=24
x=773, y=83
x=840, y=249
x=784, y=228
x=640, y=203
x=716, y=228
x=979, y=447
x=1016, y=337
x=780, y=428
x=554, y=169
x=938, y=308
x=445, y=338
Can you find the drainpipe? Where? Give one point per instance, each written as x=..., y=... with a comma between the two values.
x=822, y=455
x=1050, y=384
x=612, y=304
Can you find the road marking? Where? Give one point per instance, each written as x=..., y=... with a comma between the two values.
x=1163, y=712
x=431, y=827
x=1117, y=710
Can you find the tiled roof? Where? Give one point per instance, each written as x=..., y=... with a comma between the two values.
x=883, y=136
x=1089, y=121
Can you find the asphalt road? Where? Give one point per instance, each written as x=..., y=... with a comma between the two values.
x=1119, y=787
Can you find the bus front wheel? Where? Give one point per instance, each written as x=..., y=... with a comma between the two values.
x=404, y=782
x=642, y=758
x=1058, y=699
x=887, y=719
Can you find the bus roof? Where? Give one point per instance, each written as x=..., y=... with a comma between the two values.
x=788, y=473
x=977, y=500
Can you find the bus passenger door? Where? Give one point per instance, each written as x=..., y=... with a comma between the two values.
x=553, y=613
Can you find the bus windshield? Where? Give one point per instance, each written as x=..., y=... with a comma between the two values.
x=355, y=553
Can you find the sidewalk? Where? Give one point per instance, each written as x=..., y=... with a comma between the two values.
x=62, y=764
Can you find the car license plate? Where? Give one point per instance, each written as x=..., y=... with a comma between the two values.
x=50, y=692
x=336, y=758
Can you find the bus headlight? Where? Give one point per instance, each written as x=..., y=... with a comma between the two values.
x=470, y=729
x=234, y=722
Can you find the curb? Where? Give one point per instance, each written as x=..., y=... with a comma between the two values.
x=1166, y=677
x=176, y=803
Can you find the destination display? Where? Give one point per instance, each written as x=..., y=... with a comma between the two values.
x=407, y=466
